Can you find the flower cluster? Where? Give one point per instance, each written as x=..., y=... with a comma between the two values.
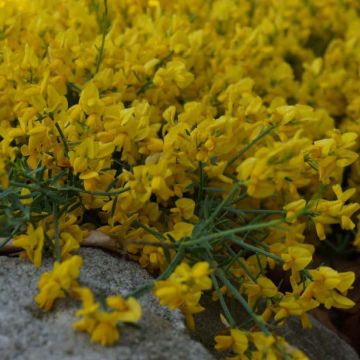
x=102, y=325
x=32, y=241
x=219, y=135
x=183, y=289
x=59, y=282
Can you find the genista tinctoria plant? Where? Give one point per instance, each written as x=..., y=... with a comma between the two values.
x=213, y=141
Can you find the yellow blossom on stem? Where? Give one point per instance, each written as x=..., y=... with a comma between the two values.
x=329, y=212
x=296, y=258
x=183, y=289
x=237, y=340
x=32, y=242
x=57, y=283
x=70, y=235
x=293, y=209
x=263, y=287
x=292, y=304
x=329, y=287
x=184, y=208
x=101, y=324
x=128, y=310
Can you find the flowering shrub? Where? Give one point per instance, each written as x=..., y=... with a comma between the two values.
x=213, y=140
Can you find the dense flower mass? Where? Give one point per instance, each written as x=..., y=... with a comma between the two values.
x=215, y=140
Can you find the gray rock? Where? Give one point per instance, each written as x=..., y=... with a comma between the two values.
x=26, y=333
x=318, y=343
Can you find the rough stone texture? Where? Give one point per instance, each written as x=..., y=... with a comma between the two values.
x=26, y=333
x=318, y=343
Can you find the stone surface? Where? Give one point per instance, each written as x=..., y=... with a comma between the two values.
x=26, y=333
x=318, y=343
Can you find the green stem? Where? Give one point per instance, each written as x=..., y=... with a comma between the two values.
x=95, y=193
x=201, y=183
x=255, y=211
x=236, y=258
x=63, y=139
x=256, y=249
x=148, y=84
x=8, y=239
x=242, y=301
x=100, y=55
x=225, y=233
x=223, y=203
x=56, y=233
x=224, y=306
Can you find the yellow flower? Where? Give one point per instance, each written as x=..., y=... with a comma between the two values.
x=293, y=209
x=49, y=292
x=159, y=187
x=181, y=230
x=197, y=276
x=333, y=153
x=174, y=71
x=183, y=289
x=297, y=257
x=170, y=293
x=102, y=325
x=152, y=257
x=128, y=310
x=329, y=287
x=329, y=212
x=185, y=208
x=32, y=242
x=105, y=332
x=89, y=158
x=4, y=180
x=90, y=100
x=271, y=167
x=237, y=340
x=292, y=304
x=274, y=348
x=262, y=287
x=90, y=313
x=240, y=344
x=57, y=283
x=223, y=342
x=264, y=343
